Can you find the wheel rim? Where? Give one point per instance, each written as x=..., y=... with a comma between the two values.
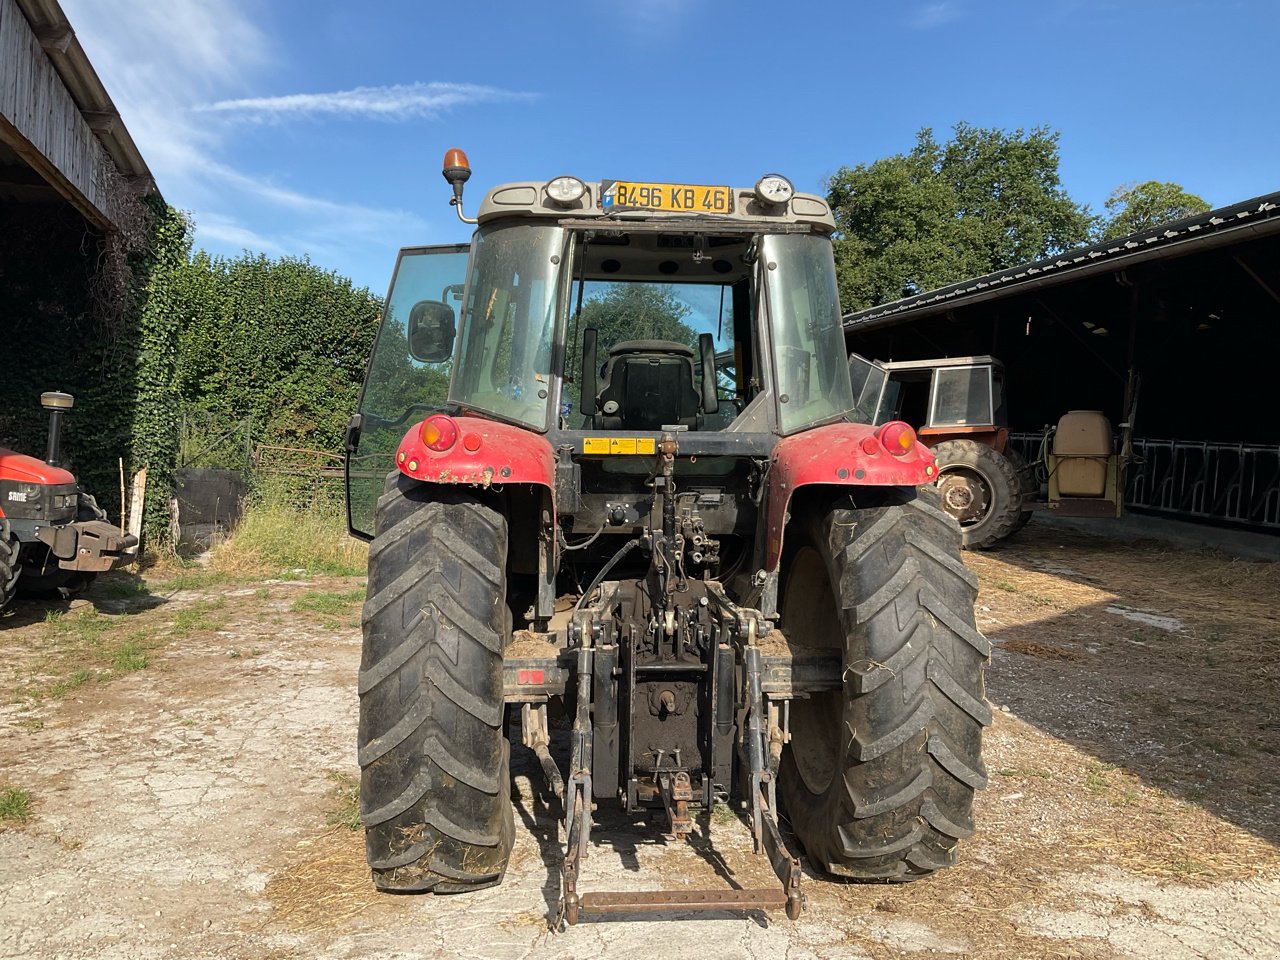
x=966, y=495
x=811, y=618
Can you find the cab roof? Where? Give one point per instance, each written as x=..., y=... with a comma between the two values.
x=804, y=211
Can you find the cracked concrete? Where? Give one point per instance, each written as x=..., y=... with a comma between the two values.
x=180, y=812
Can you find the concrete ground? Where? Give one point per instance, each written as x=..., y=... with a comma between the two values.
x=186, y=748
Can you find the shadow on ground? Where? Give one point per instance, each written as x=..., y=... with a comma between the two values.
x=1160, y=660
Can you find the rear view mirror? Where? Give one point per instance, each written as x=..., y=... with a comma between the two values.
x=431, y=331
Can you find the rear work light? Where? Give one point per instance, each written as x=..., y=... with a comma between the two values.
x=439, y=432
x=898, y=437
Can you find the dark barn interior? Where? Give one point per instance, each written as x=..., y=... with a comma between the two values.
x=1192, y=308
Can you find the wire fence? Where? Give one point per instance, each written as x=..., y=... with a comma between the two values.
x=210, y=440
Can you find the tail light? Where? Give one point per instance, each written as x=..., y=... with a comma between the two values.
x=439, y=432
x=897, y=437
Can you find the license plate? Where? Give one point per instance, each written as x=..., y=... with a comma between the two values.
x=666, y=197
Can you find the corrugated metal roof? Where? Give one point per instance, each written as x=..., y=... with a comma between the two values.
x=1260, y=215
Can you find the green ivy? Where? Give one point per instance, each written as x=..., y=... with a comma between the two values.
x=65, y=326
x=280, y=341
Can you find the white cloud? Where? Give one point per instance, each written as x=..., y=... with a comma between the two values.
x=935, y=15
x=227, y=231
x=398, y=102
x=161, y=60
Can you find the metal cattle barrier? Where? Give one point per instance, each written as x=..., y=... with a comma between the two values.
x=1235, y=483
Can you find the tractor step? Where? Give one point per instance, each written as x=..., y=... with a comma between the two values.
x=770, y=898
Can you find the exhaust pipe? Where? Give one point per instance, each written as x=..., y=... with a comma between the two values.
x=57, y=403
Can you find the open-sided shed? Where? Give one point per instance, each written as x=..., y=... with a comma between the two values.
x=78, y=214
x=1177, y=324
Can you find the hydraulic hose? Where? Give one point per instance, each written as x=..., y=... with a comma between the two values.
x=604, y=571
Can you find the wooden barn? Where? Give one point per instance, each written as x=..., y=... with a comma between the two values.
x=78, y=210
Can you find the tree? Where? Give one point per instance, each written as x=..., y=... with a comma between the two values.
x=1134, y=208
x=283, y=341
x=636, y=311
x=629, y=311
x=985, y=200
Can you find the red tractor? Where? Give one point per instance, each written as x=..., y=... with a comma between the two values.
x=53, y=537
x=607, y=461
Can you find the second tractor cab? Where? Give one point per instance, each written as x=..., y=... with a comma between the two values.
x=54, y=538
x=608, y=460
x=988, y=487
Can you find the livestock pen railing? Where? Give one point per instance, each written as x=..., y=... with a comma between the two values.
x=1236, y=483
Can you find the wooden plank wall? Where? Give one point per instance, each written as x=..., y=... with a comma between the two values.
x=40, y=121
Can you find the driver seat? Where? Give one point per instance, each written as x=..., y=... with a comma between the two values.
x=647, y=385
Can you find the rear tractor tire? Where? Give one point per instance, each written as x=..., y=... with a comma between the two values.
x=879, y=778
x=980, y=489
x=1027, y=484
x=434, y=781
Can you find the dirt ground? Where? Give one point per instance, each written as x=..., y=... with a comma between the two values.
x=177, y=755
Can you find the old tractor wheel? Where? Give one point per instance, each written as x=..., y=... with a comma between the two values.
x=42, y=578
x=879, y=778
x=434, y=782
x=980, y=488
x=1027, y=483
x=9, y=568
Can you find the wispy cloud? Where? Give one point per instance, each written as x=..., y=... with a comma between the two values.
x=398, y=102
x=935, y=15
x=163, y=61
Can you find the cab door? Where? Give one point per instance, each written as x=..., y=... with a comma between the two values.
x=408, y=373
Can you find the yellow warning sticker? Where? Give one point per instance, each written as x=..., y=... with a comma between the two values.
x=620, y=446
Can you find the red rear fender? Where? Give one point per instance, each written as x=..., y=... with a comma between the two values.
x=485, y=453
x=839, y=454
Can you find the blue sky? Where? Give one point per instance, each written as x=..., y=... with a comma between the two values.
x=318, y=127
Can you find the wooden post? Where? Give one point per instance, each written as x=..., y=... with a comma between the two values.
x=136, y=502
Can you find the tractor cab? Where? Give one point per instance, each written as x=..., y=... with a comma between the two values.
x=948, y=397
x=601, y=315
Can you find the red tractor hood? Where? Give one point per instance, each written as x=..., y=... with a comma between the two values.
x=19, y=467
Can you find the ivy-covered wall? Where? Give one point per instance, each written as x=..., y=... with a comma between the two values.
x=282, y=341
x=80, y=314
x=137, y=336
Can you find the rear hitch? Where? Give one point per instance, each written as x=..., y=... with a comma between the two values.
x=755, y=748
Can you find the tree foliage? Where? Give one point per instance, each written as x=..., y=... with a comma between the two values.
x=630, y=311
x=1136, y=207
x=984, y=200
x=636, y=311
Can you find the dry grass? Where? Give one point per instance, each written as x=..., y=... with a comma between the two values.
x=276, y=534
x=1035, y=649
x=327, y=886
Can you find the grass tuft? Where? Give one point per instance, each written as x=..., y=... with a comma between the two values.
x=196, y=618
x=15, y=805
x=344, y=797
x=129, y=658
x=328, y=603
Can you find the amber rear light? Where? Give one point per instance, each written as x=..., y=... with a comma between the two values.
x=439, y=432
